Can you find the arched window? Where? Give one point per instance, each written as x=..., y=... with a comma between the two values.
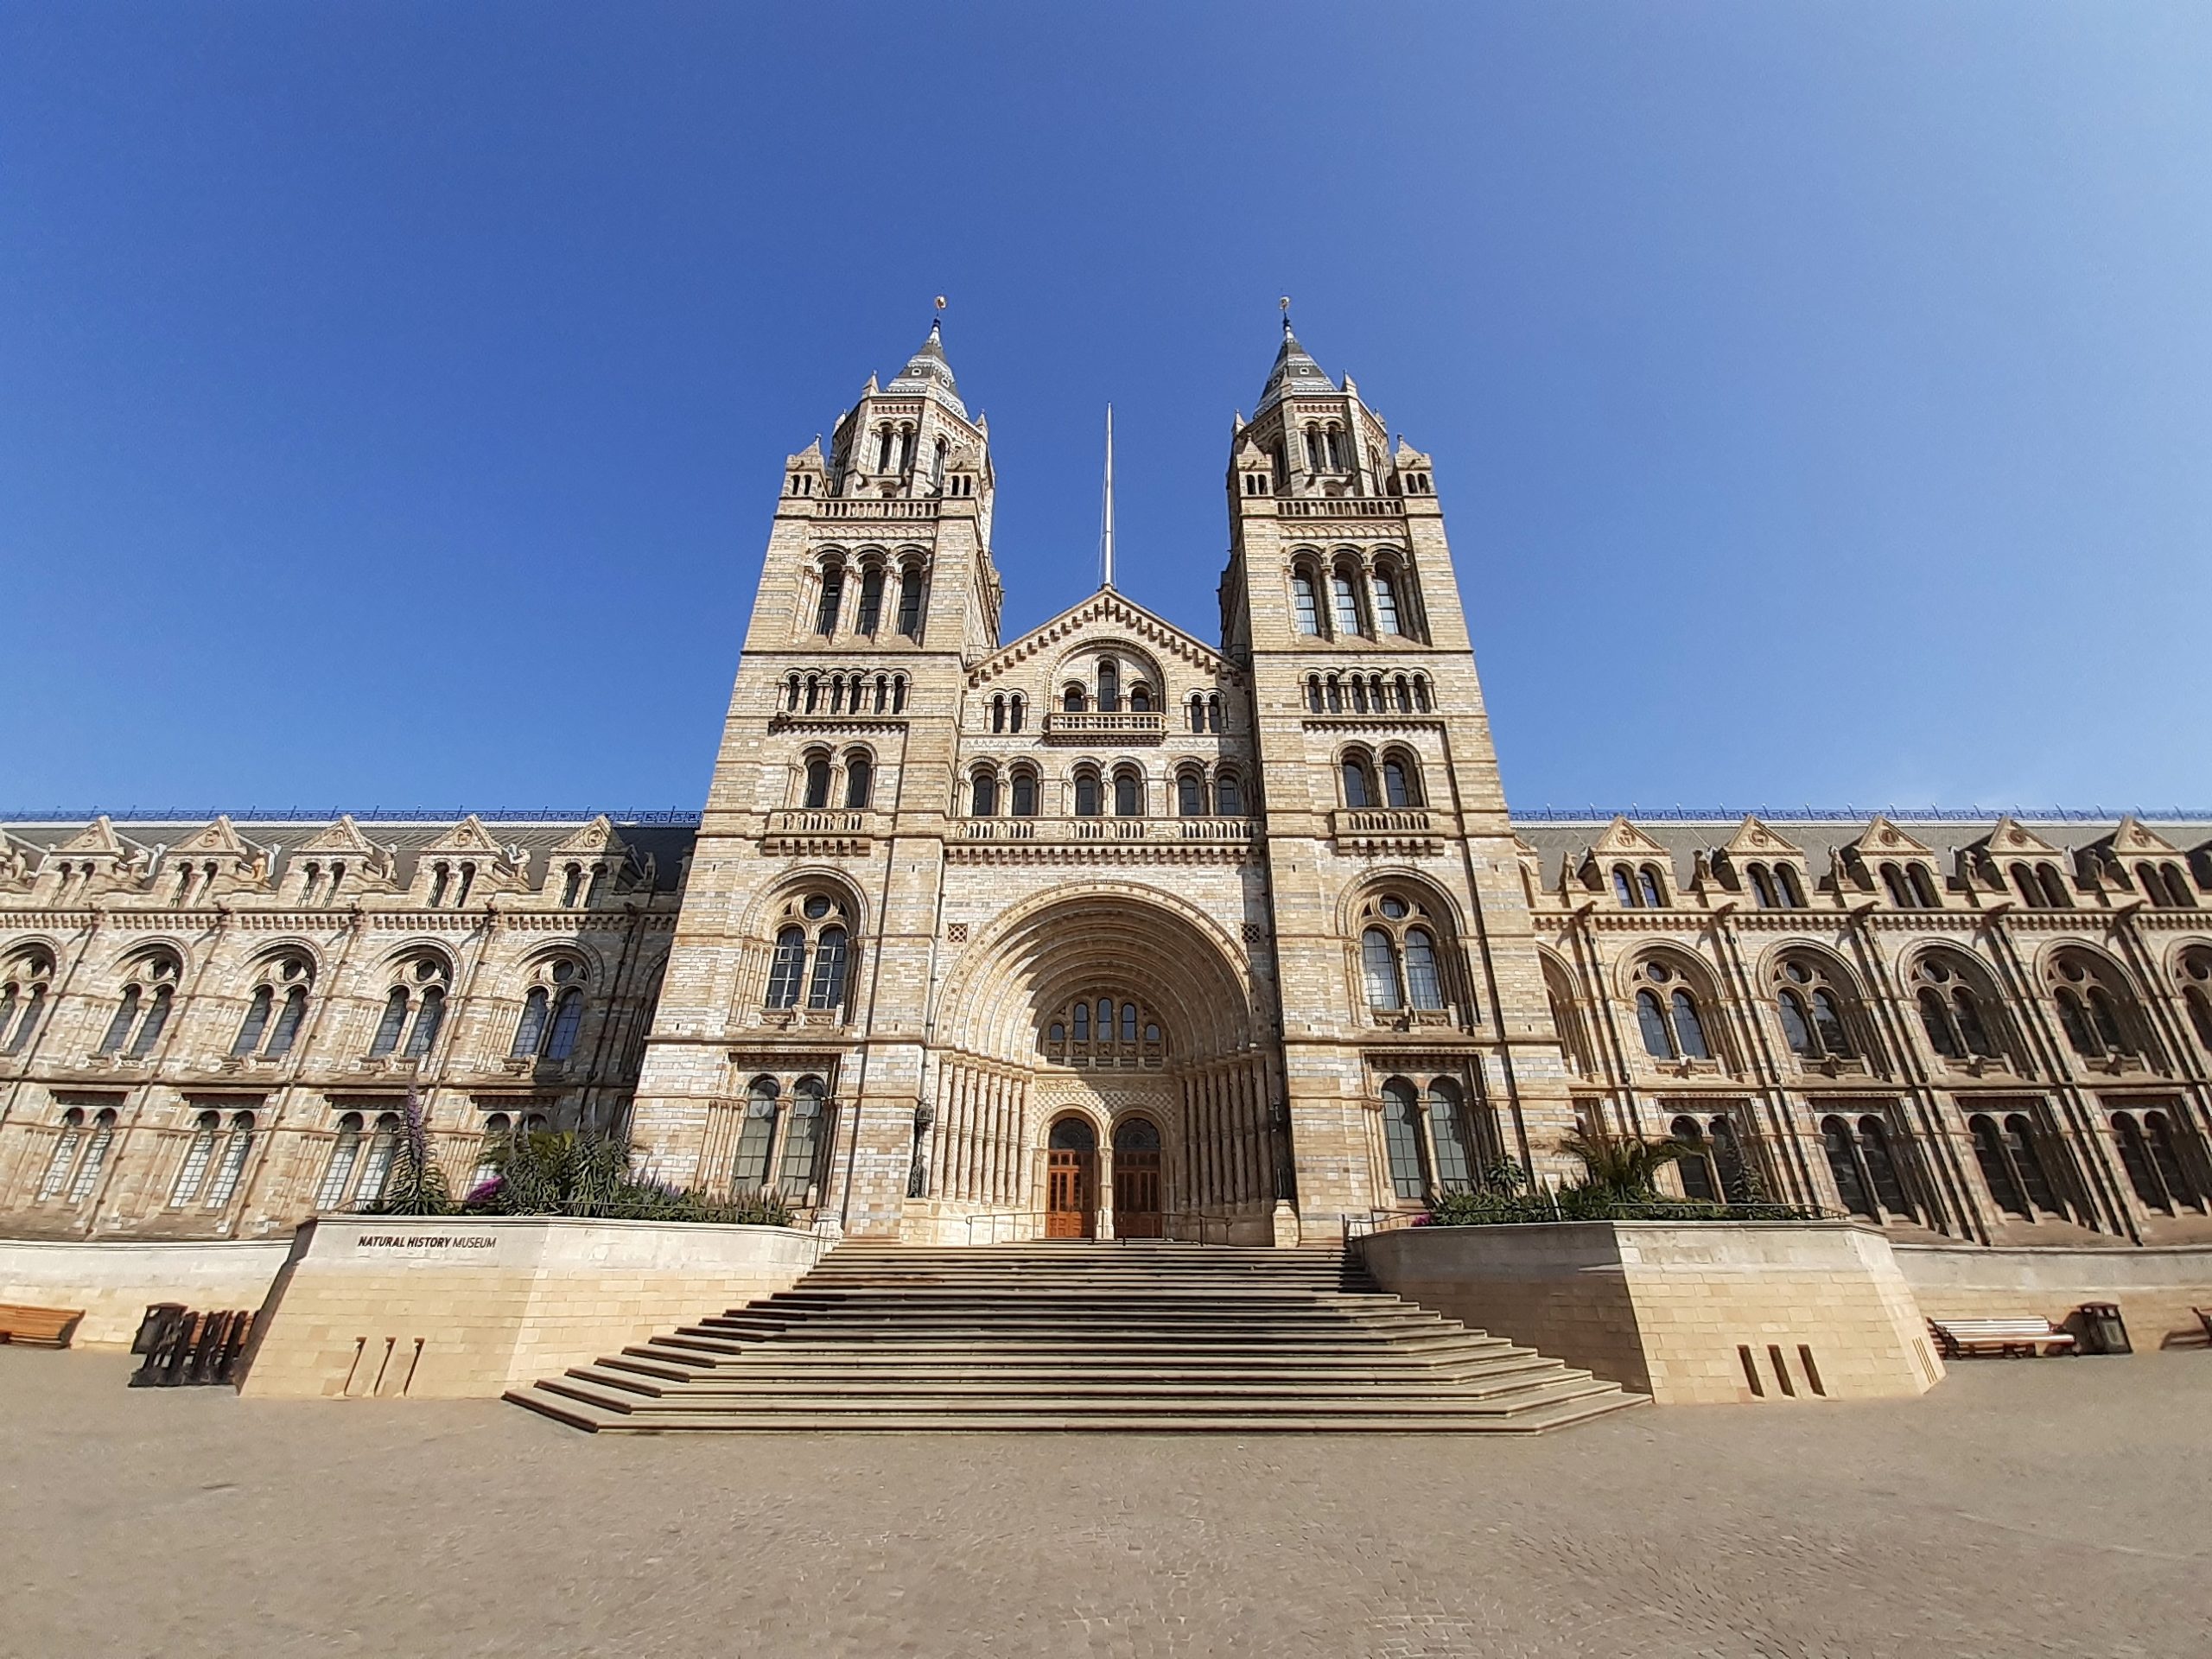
x=832, y=601
x=1690, y=1026
x=238, y=1147
x=910, y=601
x=1649, y=884
x=1213, y=711
x=1227, y=794
x=2024, y=879
x=983, y=795
x=1025, y=794
x=1073, y=700
x=1386, y=603
x=2166, y=1159
x=1402, y=1139
x=1139, y=699
x=1696, y=1167
x=1424, y=988
x=756, y=1137
x=1625, y=887
x=1110, y=686
x=258, y=1010
x=1668, y=1016
x=1449, y=1134
x=871, y=612
x=2054, y=888
x=430, y=1016
x=568, y=1019
x=827, y=989
x=1923, y=887
x=1358, y=782
x=2096, y=1008
x=1951, y=1012
x=394, y=1022
x=1843, y=1164
x=572, y=887
x=1345, y=599
x=1787, y=888
x=1304, y=604
x=192, y=1173
x=859, y=780
x=1128, y=794
x=345, y=1155
x=1400, y=780
x=2135, y=1158
x=817, y=781
x=1881, y=1167
x=787, y=968
x=1015, y=705
x=1197, y=711
x=2196, y=992
x=1190, y=795
x=1086, y=794
x=1761, y=890
x=530, y=1030
x=2024, y=1144
x=1811, y=1005
x=804, y=1140
x=1379, y=967
x=23, y=988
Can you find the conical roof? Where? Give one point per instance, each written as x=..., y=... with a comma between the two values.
x=1294, y=372
x=927, y=372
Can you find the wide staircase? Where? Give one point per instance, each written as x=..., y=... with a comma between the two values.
x=1128, y=1336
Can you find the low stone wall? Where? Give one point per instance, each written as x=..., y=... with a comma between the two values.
x=457, y=1307
x=1689, y=1313
x=115, y=1283
x=2156, y=1287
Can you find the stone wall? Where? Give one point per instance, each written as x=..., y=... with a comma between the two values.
x=2158, y=1289
x=449, y=1308
x=1700, y=1313
x=116, y=1283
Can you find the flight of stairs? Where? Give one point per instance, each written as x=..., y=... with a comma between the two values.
x=1131, y=1337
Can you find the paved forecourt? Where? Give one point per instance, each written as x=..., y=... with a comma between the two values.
x=2047, y=1507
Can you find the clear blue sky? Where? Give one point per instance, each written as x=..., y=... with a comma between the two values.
x=393, y=397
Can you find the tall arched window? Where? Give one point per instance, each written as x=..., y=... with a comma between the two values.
x=871, y=612
x=827, y=989
x=23, y=988
x=1952, y=1012
x=1086, y=794
x=1140, y=698
x=1228, y=793
x=258, y=1010
x=1649, y=884
x=2096, y=1008
x=392, y=1024
x=1668, y=1015
x=1811, y=1007
x=1402, y=1139
x=1843, y=1166
x=1305, y=604
x=757, y=1136
x=530, y=1030
x=1449, y=1134
x=859, y=780
x=803, y=1138
x=983, y=795
x=1128, y=794
x=817, y=781
x=1378, y=959
x=1695, y=1168
x=1424, y=988
x=1190, y=794
x=1624, y=887
x=429, y=1017
x=910, y=601
x=1386, y=603
x=1402, y=965
x=1762, y=889
x=832, y=601
x=787, y=968
x=2196, y=992
x=1400, y=780
x=1025, y=793
x=338, y=1173
x=1345, y=599
x=192, y=1173
x=1358, y=781
x=1110, y=687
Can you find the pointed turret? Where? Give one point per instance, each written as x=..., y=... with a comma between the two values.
x=927, y=372
x=1295, y=372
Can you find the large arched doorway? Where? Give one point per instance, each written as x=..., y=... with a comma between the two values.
x=1072, y=1179
x=1136, y=1179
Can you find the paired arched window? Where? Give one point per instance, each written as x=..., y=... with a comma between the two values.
x=275, y=1009
x=1954, y=1010
x=24, y=986
x=2196, y=992
x=1811, y=999
x=2011, y=1158
x=361, y=1156
x=782, y=1140
x=1775, y=886
x=1429, y=1144
x=1865, y=1172
x=2166, y=885
x=552, y=1013
x=141, y=1013
x=2041, y=886
x=1639, y=888
x=414, y=1010
x=1909, y=886
x=80, y=1155
x=214, y=1162
x=1104, y=1031
x=1714, y=1169
x=1401, y=965
x=812, y=955
x=2151, y=1152
x=1008, y=711
x=1669, y=1015
x=2096, y=1009
x=1401, y=1140
x=321, y=885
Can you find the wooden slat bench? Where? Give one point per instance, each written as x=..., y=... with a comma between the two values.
x=2025, y=1336
x=38, y=1327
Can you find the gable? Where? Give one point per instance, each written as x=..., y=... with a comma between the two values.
x=1114, y=619
x=1622, y=836
x=469, y=835
x=2135, y=837
x=217, y=837
x=98, y=837
x=343, y=836
x=1884, y=840
x=595, y=838
x=2011, y=837
x=1755, y=840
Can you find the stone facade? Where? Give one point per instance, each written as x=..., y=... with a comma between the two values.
x=1108, y=928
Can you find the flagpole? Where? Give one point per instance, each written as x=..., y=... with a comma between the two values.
x=1109, y=537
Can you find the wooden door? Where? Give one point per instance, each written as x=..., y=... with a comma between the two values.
x=1136, y=1194
x=1067, y=1193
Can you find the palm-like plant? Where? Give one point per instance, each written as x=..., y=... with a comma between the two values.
x=1621, y=1166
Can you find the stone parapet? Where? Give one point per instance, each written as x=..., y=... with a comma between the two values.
x=2157, y=1288
x=115, y=1280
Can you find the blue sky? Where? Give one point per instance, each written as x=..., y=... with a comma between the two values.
x=393, y=397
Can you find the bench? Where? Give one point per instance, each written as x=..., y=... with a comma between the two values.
x=2204, y=1319
x=38, y=1327
x=2026, y=1337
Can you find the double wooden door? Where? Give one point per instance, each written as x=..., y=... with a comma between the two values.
x=1070, y=1174
x=1136, y=1192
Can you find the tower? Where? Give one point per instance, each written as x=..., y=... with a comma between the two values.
x=814, y=887
x=1418, y=1047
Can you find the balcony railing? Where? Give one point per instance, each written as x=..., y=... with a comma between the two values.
x=1384, y=824
x=1339, y=506
x=861, y=508
x=1162, y=832
x=1119, y=728
x=822, y=823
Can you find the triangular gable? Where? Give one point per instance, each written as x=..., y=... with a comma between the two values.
x=1884, y=840
x=343, y=836
x=98, y=837
x=217, y=837
x=2133, y=836
x=1753, y=839
x=469, y=835
x=1622, y=836
x=596, y=838
x=2011, y=836
x=1103, y=606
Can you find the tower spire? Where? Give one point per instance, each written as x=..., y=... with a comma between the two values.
x=1106, y=537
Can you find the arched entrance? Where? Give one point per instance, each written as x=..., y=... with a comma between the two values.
x=1072, y=1179
x=1136, y=1179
